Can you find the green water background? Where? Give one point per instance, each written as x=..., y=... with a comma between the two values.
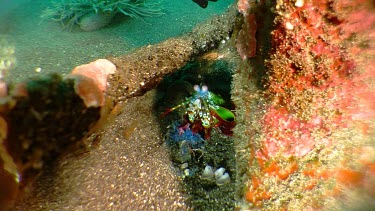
x=44, y=46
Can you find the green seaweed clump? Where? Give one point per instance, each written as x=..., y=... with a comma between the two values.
x=94, y=14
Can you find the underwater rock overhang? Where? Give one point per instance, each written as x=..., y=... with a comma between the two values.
x=279, y=182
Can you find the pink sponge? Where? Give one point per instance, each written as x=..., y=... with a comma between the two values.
x=91, y=81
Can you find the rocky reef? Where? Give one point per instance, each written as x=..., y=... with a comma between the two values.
x=307, y=134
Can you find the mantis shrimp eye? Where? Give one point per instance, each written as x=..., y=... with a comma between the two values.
x=204, y=88
x=196, y=88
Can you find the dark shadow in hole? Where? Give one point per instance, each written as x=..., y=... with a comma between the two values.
x=190, y=157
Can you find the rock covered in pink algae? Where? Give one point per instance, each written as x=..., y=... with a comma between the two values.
x=246, y=42
x=3, y=89
x=318, y=109
x=288, y=135
x=243, y=6
x=91, y=81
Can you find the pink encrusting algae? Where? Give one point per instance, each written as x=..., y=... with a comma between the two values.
x=287, y=134
x=312, y=79
x=318, y=106
x=245, y=41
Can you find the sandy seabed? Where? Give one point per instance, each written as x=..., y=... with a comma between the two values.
x=42, y=46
